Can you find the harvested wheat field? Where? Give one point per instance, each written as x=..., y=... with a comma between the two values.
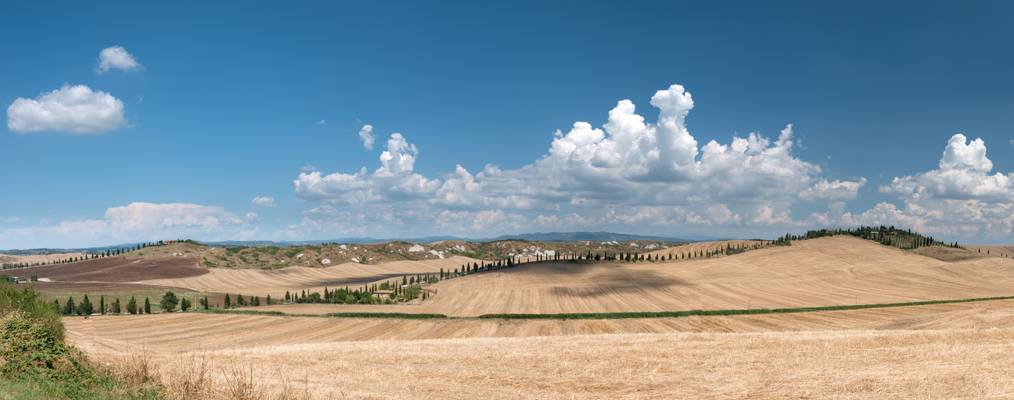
x=818, y=272
x=686, y=250
x=329, y=358
x=294, y=279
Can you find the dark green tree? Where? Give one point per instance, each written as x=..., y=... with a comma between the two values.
x=228, y=301
x=132, y=306
x=184, y=304
x=147, y=306
x=169, y=302
x=68, y=307
x=85, y=308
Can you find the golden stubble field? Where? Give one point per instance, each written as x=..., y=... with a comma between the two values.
x=819, y=272
x=936, y=351
x=942, y=351
x=276, y=282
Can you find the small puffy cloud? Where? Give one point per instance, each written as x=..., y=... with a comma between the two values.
x=322, y=122
x=836, y=190
x=74, y=109
x=130, y=223
x=263, y=201
x=116, y=57
x=251, y=217
x=394, y=180
x=366, y=136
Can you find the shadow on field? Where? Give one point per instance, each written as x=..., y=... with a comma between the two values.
x=604, y=281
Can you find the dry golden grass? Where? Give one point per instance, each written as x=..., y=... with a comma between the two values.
x=951, y=363
x=38, y=258
x=294, y=279
x=958, y=350
x=687, y=250
x=819, y=272
x=1002, y=250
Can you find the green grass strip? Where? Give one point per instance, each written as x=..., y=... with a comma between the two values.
x=750, y=311
x=384, y=315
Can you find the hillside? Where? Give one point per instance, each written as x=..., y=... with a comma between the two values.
x=820, y=355
x=817, y=272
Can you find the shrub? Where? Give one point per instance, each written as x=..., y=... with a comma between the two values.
x=28, y=302
x=169, y=302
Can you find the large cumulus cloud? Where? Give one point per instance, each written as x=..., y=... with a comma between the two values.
x=962, y=197
x=628, y=171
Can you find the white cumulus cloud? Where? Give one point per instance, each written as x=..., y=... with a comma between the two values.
x=628, y=172
x=366, y=136
x=962, y=197
x=137, y=221
x=263, y=201
x=836, y=190
x=74, y=109
x=116, y=57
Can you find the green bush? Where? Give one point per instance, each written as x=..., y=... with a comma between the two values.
x=28, y=302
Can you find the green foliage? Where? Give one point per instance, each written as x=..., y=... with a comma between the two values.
x=85, y=308
x=27, y=345
x=132, y=305
x=147, y=306
x=35, y=363
x=184, y=304
x=169, y=302
x=385, y=315
x=885, y=235
x=28, y=302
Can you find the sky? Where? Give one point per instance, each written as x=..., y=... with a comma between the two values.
x=130, y=122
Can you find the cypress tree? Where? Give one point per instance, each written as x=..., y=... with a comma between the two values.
x=85, y=308
x=228, y=301
x=102, y=305
x=147, y=306
x=132, y=305
x=68, y=307
x=116, y=305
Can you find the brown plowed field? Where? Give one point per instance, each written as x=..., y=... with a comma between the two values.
x=115, y=269
x=294, y=279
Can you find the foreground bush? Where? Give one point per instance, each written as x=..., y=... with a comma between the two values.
x=36, y=363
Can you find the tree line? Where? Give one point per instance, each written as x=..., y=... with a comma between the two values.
x=92, y=256
x=906, y=239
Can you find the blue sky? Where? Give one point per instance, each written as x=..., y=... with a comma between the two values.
x=204, y=106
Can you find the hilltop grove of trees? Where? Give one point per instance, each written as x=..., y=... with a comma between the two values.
x=885, y=235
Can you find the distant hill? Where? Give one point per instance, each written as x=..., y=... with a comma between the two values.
x=531, y=237
x=582, y=236
x=601, y=236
